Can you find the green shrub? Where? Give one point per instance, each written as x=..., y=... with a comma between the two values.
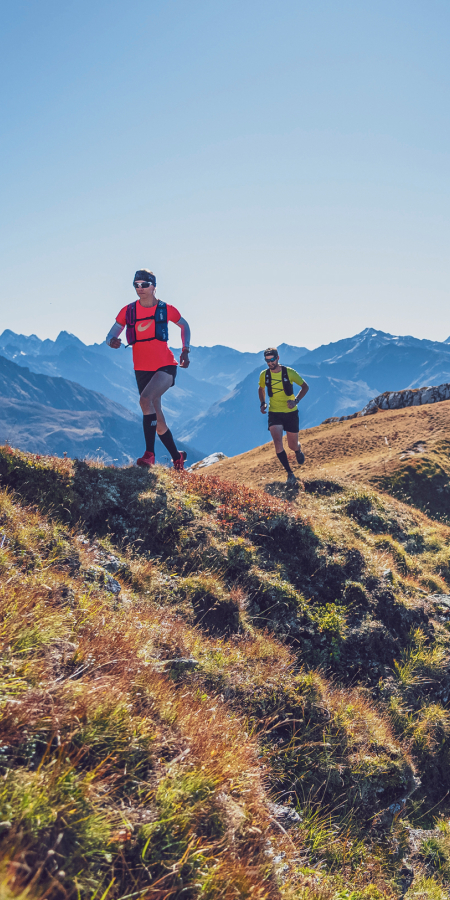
x=424, y=888
x=435, y=850
x=421, y=661
x=240, y=556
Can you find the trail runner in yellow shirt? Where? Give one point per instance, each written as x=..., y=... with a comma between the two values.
x=283, y=412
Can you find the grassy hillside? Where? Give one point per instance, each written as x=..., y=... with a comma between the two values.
x=405, y=452
x=210, y=692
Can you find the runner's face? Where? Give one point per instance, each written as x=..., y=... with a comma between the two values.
x=272, y=362
x=145, y=293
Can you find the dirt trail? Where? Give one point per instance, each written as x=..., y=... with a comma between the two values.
x=358, y=450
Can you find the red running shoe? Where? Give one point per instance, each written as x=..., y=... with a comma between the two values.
x=179, y=463
x=147, y=460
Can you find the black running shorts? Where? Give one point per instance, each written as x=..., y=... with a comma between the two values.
x=289, y=420
x=143, y=378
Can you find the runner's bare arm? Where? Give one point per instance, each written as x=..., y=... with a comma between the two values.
x=301, y=394
x=112, y=338
x=304, y=390
x=262, y=398
x=185, y=342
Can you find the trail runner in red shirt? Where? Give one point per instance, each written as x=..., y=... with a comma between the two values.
x=154, y=364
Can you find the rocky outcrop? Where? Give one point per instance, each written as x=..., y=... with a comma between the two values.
x=398, y=400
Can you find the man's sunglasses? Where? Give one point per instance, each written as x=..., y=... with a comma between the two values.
x=270, y=359
x=143, y=284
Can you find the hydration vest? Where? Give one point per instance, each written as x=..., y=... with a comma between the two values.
x=287, y=386
x=161, y=327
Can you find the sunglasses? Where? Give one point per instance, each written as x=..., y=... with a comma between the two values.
x=270, y=359
x=143, y=284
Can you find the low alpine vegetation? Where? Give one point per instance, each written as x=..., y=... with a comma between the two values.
x=208, y=692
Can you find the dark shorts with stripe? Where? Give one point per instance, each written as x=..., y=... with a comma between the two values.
x=289, y=420
x=143, y=378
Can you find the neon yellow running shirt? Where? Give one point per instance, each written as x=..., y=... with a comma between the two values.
x=278, y=400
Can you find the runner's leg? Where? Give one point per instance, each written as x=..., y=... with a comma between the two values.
x=161, y=426
x=295, y=445
x=277, y=437
x=149, y=422
x=292, y=439
x=151, y=395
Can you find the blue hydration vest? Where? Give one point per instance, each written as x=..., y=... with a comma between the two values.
x=161, y=327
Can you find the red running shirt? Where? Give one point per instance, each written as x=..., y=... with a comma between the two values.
x=150, y=355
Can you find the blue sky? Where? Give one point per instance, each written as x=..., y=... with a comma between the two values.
x=283, y=167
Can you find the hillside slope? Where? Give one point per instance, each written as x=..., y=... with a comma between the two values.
x=208, y=692
x=343, y=376
x=212, y=429
x=405, y=452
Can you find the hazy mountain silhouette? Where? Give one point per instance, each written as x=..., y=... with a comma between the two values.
x=214, y=371
x=50, y=415
x=214, y=404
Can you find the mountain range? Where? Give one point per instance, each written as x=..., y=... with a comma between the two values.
x=50, y=415
x=87, y=393
x=98, y=368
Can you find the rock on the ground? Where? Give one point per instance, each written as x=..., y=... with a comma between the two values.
x=207, y=461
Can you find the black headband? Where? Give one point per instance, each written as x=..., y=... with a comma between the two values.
x=145, y=275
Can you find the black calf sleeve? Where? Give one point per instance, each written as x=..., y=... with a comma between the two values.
x=284, y=461
x=149, y=423
x=169, y=443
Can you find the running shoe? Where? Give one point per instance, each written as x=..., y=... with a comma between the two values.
x=300, y=457
x=147, y=460
x=179, y=463
x=291, y=480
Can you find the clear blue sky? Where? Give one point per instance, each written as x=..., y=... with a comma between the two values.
x=283, y=167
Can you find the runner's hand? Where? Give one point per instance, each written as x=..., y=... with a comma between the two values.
x=115, y=343
x=263, y=408
x=291, y=404
x=184, y=359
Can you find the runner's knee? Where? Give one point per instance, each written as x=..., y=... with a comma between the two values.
x=146, y=405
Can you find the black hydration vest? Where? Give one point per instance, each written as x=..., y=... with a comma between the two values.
x=287, y=386
x=161, y=327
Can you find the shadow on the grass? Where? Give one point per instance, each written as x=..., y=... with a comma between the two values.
x=283, y=491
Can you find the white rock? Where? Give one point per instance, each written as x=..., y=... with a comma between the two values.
x=207, y=461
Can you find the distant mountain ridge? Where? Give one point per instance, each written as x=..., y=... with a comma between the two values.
x=391, y=362
x=213, y=373
x=99, y=368
x=214, y=404
x=53, y=416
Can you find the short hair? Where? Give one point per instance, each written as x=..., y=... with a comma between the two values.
x=271, y=351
